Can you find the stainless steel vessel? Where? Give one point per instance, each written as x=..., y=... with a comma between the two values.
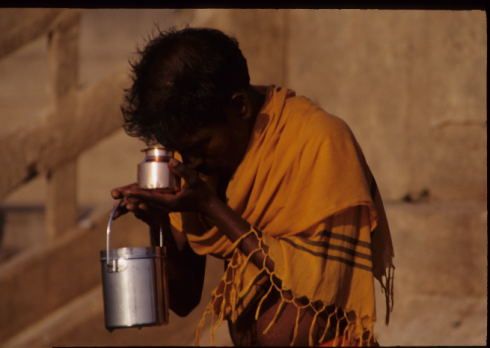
x=154, y=172
x=134, y=284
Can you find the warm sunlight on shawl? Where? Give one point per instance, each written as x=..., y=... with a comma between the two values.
x=303, y=167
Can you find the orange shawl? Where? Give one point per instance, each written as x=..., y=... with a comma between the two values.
x=303, y=167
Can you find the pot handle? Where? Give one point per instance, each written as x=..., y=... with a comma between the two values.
x=109, y=227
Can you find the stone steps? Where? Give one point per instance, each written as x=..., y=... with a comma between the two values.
x=66, y=318
x=438, y=300
x=81, y=322
x=44, y=278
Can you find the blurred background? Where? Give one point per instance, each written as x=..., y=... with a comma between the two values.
x=411, y=85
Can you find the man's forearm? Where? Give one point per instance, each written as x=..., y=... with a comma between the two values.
x=234, y=226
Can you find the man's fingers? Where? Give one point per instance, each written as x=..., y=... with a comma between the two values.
x=131, y=203
x=153, y=197
x=134, y=198
x=120, y=211
x=179, y=169
x=138, y=208
x=118, y=192
x=143, y=195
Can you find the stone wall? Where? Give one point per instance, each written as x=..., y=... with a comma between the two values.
x=411, y=84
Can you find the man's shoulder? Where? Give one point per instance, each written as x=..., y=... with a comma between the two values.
x=312, y=119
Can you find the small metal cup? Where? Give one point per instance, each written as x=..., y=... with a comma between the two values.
x=154, y=172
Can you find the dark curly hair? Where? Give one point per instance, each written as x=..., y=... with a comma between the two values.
x=181, y=82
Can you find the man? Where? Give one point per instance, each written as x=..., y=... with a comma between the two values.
x=273, y=184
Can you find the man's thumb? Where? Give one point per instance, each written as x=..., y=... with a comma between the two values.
x=180, y=169
x=189, y=175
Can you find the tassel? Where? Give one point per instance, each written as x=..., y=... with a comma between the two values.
x=327, y=326
x=233, y=303
x=257, y=312
x=296, y=325
x=242, y=237
x=392, y=287
x=349, y=329
x=247, y=259
x=360, y=332
x=370, y=338
x=201, y=324
x=312, y=325
x=252, y=282
x=389, y=293
x=337, y=330
x=214, y=325
x=274, y=318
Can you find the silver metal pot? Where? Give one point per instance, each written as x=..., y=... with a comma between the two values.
x=154, y=172
x=134, y=282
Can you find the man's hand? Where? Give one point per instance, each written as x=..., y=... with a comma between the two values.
x=150, y=214
x=194, y=196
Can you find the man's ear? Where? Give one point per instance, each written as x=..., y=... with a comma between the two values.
x=241, y=103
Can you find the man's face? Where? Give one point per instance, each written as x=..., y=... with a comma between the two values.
x=216, y=150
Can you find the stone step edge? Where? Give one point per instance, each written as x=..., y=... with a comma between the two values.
x=59, y=321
